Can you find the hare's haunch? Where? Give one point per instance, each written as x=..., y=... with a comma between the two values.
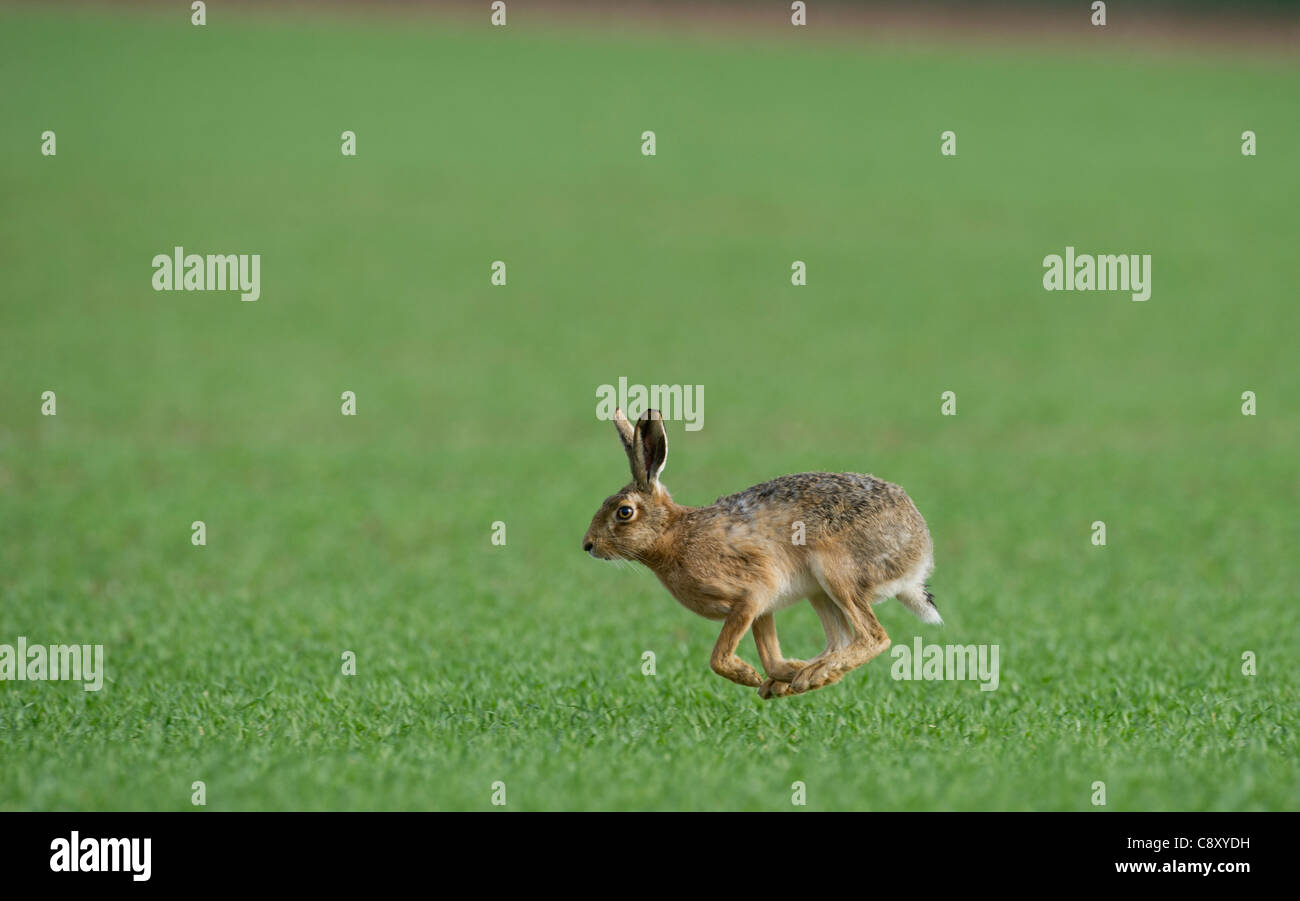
x=844, y=541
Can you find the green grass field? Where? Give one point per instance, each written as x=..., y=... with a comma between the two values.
x=522, y=664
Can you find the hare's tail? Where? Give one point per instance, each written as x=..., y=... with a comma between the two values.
x=917, y=599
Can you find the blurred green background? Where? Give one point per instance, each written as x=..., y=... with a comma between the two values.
x=476, y=403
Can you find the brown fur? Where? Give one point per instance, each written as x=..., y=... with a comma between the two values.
x=736, y=560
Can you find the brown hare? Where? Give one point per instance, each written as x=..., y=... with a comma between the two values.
x=844, y=541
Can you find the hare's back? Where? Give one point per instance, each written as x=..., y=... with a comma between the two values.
x=825, y=501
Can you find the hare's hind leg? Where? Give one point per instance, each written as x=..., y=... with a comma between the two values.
x=838, y=627
x=852, y=602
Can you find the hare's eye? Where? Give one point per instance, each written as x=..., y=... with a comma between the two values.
x=625, y=513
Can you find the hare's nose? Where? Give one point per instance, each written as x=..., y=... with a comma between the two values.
x=588, y=545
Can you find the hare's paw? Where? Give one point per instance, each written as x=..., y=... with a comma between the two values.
x=774, y=688
x=786, y=670
x=816, y=675
x=737, y=671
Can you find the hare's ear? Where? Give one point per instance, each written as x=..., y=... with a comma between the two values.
x=628, y=436
x=651, y=443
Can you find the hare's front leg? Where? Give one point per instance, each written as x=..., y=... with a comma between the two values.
x=780, y=671
x=724, y=661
